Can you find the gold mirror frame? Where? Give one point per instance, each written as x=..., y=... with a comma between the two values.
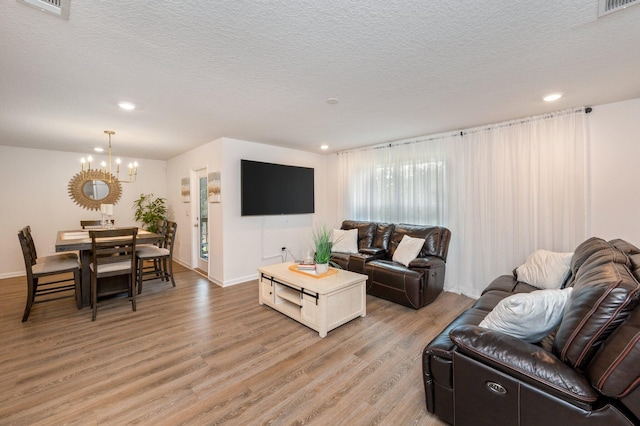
x=77, y=182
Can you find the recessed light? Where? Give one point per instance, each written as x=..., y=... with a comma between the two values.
x=333, y=101
x=127, y=105
x=324, y=147
x=98, y=149
x=552, y=97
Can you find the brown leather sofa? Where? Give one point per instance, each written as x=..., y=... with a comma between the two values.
x=415, y=285
x=586, y=373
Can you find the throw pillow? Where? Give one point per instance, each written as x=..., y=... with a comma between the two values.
x=528, y=316
x=545, y=269
x=345, y=240
x=407, y=250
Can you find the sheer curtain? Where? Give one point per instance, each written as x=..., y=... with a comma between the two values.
x=503, y=190
x=395, y=183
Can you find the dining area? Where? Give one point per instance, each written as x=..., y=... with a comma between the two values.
x=96, y=262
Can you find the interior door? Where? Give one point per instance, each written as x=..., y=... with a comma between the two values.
x=201, y=221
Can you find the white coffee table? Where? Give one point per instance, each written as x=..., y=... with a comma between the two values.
x=320, y=303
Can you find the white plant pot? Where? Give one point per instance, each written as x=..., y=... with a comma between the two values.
x=322, y=268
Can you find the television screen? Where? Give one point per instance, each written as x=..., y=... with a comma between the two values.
x=274, y=189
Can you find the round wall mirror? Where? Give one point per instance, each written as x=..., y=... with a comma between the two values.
x=90, y=189
x=95, y=189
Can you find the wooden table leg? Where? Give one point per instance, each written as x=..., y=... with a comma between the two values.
x=85, y=259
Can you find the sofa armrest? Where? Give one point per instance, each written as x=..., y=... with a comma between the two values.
x=358, y=262
x=525, y=361
x=374, y=252
x=426, y=263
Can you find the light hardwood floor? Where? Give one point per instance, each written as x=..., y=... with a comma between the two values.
x=200, y=354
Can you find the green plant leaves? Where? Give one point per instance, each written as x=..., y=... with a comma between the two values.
x=150, y=211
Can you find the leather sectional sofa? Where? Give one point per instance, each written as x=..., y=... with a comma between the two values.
x=415, y=285
x=587, y=372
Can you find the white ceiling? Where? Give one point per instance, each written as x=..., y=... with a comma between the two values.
x=262, y=70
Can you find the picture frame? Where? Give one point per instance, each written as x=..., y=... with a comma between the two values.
x=185, y=190
x=213, y=187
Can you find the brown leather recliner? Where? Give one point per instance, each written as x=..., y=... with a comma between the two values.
x=587, y=372
x=415, y=285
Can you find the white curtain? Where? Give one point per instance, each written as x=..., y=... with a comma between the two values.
x=503, y=190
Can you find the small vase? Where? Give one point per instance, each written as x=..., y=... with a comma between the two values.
x=322, y=268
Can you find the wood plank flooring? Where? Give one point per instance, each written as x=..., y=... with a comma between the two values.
x=201, y=354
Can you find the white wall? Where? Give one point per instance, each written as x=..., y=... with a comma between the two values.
x=209, y=157
x=34, y=192
x=615, y=154
x=239, y=245
x=615, y=175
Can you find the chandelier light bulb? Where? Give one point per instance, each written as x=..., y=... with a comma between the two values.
x=106, y=172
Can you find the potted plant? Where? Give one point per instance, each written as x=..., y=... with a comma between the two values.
x=323, y=245
x=150, y=210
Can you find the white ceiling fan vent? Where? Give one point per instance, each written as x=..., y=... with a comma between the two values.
x=606, y=7
x=59, y=8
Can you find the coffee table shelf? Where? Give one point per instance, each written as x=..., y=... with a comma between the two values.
x=321, y=304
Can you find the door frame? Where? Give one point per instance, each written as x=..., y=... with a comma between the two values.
x=197, y=261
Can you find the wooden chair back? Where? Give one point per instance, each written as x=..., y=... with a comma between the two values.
x=113, y=251
x=88, y=224
x=58, y=266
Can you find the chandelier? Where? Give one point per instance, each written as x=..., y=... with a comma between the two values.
x=106, y=172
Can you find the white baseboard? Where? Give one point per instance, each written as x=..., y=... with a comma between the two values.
x=12, y=275
x=240, y=280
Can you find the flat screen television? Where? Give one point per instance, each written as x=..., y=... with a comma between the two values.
x=275, y=189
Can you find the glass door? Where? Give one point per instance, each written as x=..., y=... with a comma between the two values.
x=201, y=225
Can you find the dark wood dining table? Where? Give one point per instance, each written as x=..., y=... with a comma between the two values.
x=78, y=240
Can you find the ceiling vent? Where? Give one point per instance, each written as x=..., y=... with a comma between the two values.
x=59, y=8
x=606, y=7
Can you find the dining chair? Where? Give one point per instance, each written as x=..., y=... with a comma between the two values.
x=112, y=255
x=161, y=256
x=161, y=226
x=37, y=269
x=89, y=224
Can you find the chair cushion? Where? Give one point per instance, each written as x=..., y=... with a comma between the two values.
x=57, y=257
x=148, y=252
x=112, y=267
x=55, y=264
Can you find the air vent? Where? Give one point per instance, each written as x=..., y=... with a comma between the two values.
x=606, y=7
x=59, y=8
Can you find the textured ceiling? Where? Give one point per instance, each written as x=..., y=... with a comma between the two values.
x=262, y=70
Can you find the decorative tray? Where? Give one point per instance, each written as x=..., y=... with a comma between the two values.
x=312, y=273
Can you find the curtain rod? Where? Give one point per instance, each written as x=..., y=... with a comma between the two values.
x=461, y=133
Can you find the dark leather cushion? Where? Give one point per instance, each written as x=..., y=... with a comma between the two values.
x=393, y=281
x=341, y=259
x=615, y=370
x=383, y=234
x=604, y=294
x=525, y=361
x=504, y=283
x=434, y=237
x=581, y=254
x=632, y=252
x=366, y=231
